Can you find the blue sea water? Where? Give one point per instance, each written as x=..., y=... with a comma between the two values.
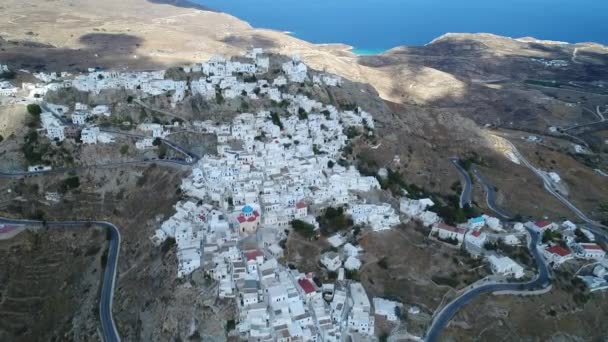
x=372, y=26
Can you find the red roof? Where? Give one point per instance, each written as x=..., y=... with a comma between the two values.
x=6, y=229
x=559, y=250
x=444, y=226
x=591, y=246
x=306, y=285
x=253, y=255
x=542, y=223
x=476, y=233
x=300, y=205
x=241, y=218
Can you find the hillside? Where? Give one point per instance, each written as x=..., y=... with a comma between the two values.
x=460, y=95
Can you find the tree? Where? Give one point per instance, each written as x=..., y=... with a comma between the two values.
x=162, y=151
x=219, y=98
x=580, y=236
x=156, y=141
x=383, y=263
x=124, y=149
x=129, y=99
x=1, y=138
x=34, y=109
x=305, y=229
x=330, y=164
x=302, y=115
x=70, y=183
x=276, y=119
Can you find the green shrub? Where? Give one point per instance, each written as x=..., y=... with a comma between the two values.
x=34, y=109
x=305, y=229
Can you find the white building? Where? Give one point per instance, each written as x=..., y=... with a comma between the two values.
x=589, y=250
x=144, y=143
x=296, y=71
x=7, y=89
x=331, y=261
x=475, y=241
x=89, y=135
x=557, y=255
x=447, y=232
x=360, y=318
x=52, y=125
x=387, y=308
x=352, y=263
x=505, y=266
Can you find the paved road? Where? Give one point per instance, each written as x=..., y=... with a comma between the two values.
x=548, y=184
x=491, y=197
x=191, y=159
x=465, y=195
x=541, y=281
x=597, y=112
x=108, y=327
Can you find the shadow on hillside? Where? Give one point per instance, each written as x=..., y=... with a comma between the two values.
x=100, y=50
x=250, y=41
x=183, y=3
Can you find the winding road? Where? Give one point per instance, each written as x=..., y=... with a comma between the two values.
x=465, y=195
x=491, y=197
x=108, y=327
x=548, y=185
x=541, y=281
x=191, y=159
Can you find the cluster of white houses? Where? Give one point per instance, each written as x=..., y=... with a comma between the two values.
x=575, y=242
x=275, y=303
x=217, y=77
x=6, y=88
x=268, y=171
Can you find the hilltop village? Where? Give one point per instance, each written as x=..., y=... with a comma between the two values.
x=273, y=175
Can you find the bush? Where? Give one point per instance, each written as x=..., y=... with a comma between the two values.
x=352, y=275
x=34, y=109
x=124, y=149
x=333, y=220
x=383, y=263
x=305, y=229
x=70, y=183
x=129, y=99
x=167, y=245
x=230, y=325
x=162, y=151
x=276, y=119
x=302, y=115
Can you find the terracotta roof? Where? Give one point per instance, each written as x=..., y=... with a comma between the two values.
x=300, y=205
x=306, y=285
x=559, y=250
x=476, y=233
x=590, y=246
x=444, y=226
x=241, y=219
x=6, y=229
x=253, y=255
x=542, y=223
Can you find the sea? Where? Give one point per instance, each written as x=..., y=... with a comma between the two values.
x=373, y=26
